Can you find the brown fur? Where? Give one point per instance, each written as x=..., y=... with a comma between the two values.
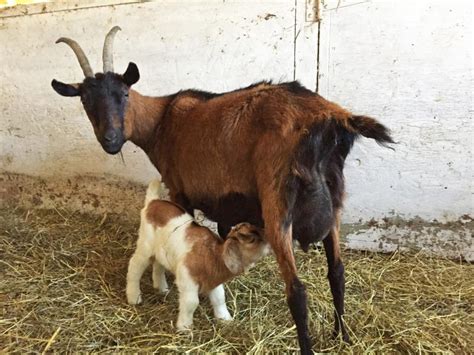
x=222, y=135
x=336, y=247
x=159, y=212
x=206, y=261
x=141, y=118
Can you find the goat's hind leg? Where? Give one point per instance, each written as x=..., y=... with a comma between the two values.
x=137, y=265
x=336, y=280
x=159, y=278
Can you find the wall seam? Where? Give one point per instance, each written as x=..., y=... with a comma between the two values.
x=294, y=41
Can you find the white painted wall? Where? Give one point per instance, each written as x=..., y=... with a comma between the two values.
x=407, y=63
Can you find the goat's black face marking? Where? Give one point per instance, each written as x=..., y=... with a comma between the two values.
x=105, y=99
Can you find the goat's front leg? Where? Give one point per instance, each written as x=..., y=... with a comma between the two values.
x=159, y=278
x=336, y=279
x=188, y=298
x=217, y=298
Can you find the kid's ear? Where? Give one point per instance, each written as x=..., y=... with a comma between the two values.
x=65, y=89
x=131, y=75
x=233, y=257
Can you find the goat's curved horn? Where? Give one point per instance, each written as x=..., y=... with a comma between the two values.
x=81, y=57
x=107, y=54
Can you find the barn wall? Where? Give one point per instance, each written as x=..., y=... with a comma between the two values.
x=406, y=63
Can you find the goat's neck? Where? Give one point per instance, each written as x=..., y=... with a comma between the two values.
x=221, y=267
x=143, y=116
x=222, y=273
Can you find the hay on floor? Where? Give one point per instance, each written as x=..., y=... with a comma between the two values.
x=62, y=279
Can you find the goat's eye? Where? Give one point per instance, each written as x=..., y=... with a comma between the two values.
x=126, y=94
x=248, y=239
x=118, y=97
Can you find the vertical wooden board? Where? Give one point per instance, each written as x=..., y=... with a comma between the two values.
x=306, y=46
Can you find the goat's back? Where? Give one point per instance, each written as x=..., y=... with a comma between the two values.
x=238, y=143
x=163, y=228
x=227, y=136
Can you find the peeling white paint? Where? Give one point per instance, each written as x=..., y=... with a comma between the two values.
x=451, y=243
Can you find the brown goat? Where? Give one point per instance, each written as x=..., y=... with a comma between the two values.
x=269, y=154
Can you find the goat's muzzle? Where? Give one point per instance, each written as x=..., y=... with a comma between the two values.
x=113, y=141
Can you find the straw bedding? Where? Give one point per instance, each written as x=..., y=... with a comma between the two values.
x=62, y=280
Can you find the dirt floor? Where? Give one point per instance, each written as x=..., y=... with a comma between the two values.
x=62, y=280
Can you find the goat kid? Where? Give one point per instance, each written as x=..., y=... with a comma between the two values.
x=170, y=239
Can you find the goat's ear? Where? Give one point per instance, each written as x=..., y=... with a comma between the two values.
x=131, y=75
x=233, y=257
x=65, y=89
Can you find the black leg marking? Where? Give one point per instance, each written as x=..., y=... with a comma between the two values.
x=298, y=308
x=337, y=284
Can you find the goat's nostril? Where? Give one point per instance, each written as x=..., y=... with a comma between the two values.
x=110, y=136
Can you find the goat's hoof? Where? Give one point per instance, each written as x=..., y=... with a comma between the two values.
x=224, y=321
x=134, y=299
x=158, y=286
x=224, y=318
x=184, y=325
x=184, y=329
x=345, y=337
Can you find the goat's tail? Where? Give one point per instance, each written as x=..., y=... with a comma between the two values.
x=154, y=191
x=370, y=128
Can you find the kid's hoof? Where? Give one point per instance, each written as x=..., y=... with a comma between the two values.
x=134, y=299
